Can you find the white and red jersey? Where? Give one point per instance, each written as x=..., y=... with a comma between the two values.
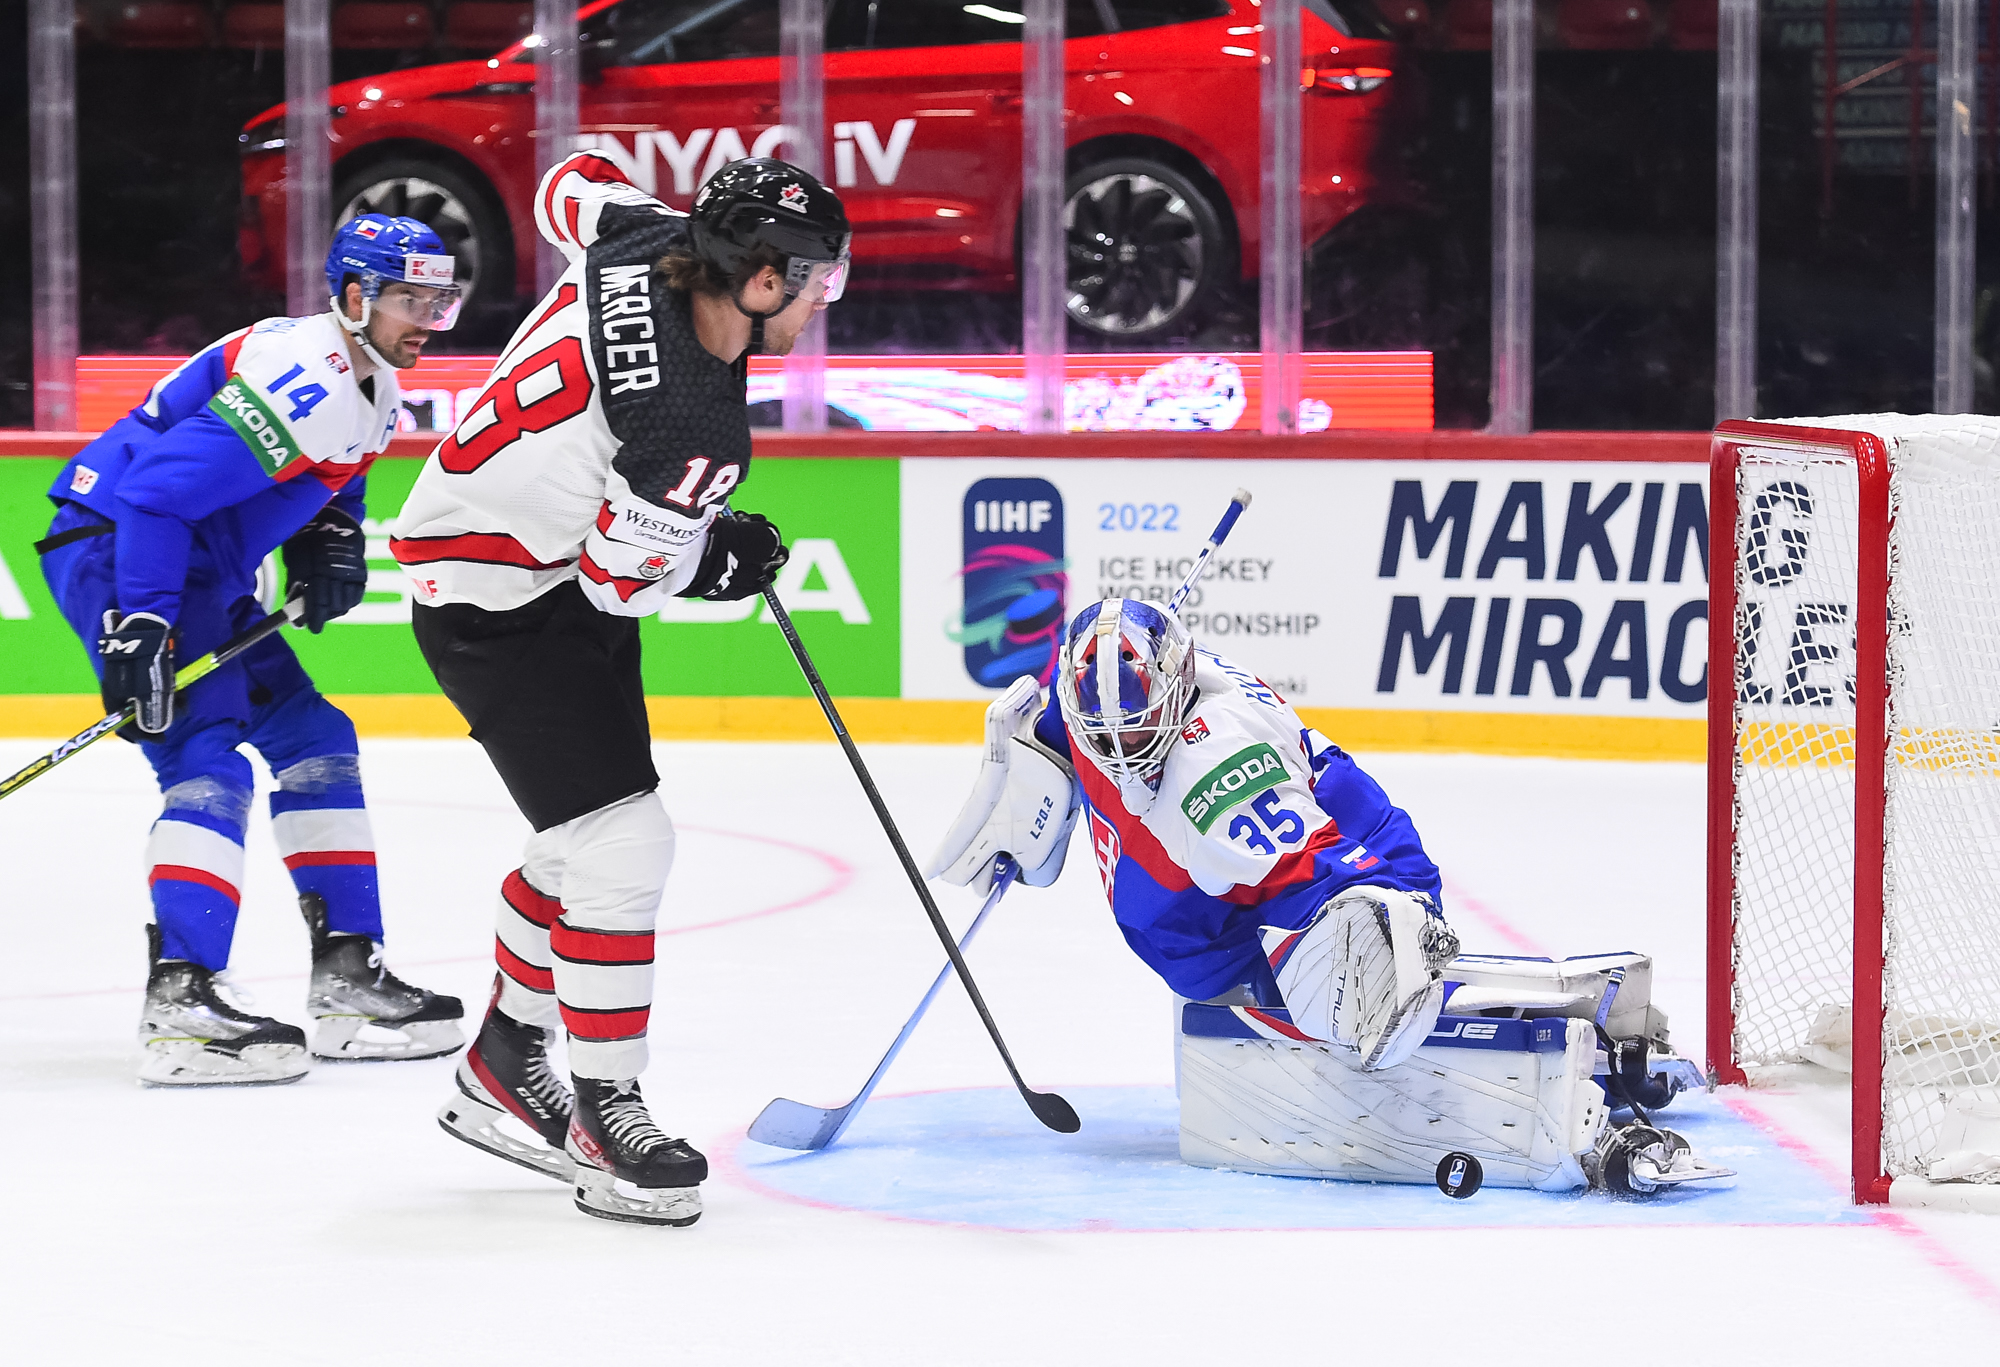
x=1256, y=820
x=606, y=438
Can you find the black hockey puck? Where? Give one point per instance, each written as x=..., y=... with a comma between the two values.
x=1459, y=1175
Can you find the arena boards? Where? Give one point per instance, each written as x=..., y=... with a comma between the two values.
x=1551, y=600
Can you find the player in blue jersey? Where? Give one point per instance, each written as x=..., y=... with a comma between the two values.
x=1235, y=843
x=259, y=443
x=1266, y=877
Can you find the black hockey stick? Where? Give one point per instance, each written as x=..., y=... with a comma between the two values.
x=1049, y=1108
x=786, y=1124
x=187, y=675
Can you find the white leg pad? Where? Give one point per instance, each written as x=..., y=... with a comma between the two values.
x=1302, y=1109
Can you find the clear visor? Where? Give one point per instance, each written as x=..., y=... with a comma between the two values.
x=426, y=306
x=820, y=281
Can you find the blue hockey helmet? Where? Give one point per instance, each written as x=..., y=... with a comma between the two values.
x=384, y=252
x=1125, y=679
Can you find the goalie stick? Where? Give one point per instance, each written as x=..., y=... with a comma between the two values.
x=787, y=1124
x=1238, y=501
x=1049, y=1108
x=185, y=677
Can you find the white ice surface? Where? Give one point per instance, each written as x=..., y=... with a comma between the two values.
x=333, y=1222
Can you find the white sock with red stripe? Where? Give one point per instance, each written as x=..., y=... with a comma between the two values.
x=521, y=947
x=575, y=932
x=194, y=866
x=322, y=830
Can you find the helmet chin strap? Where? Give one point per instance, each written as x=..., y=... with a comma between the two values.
x=757, y=319
x=359, y=330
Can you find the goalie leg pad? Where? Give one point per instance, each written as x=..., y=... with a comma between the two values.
x=1302, y=1109
x=1367, y=974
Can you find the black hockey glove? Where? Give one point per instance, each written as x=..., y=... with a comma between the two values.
x=326, y=563
x=744, y=551
x=138, y=653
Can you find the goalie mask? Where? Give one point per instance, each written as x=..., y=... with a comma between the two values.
x=1125, y=681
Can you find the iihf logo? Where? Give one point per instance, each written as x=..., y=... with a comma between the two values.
x=1014, y=581
x=793, y=197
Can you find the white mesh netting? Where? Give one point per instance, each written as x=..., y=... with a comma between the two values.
x=1796, y=548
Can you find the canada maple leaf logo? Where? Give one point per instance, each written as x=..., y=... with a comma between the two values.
x=793, y=197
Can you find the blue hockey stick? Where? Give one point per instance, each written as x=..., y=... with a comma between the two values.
x=1238, y=501
x=794, y=1125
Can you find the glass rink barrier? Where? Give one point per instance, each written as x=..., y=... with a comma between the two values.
x=1070, y=215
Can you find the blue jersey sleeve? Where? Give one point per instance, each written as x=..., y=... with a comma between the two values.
x=353, y=498
x=92, y=477
x=182, y=477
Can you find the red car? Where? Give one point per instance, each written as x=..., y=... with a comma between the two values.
x=923, y=101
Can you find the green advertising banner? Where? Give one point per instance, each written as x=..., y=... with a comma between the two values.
x=842, y=586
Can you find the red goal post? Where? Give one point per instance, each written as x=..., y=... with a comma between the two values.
x=1854, y=778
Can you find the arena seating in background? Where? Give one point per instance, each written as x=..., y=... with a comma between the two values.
x=1604, y=25
x=382, y=25
x=254, y=26
x=1691, y=25
x=158, y=24
x=490, y=25
x=1411, y=19
x=1468, y=25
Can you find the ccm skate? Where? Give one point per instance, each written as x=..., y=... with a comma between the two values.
x=616, y=1145
x=191, y=1035
x=365, y=1012
x=505, y=1073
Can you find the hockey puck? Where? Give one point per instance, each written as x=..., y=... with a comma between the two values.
x=1459, y=1175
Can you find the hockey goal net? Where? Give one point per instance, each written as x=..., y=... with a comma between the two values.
x=1854, y=778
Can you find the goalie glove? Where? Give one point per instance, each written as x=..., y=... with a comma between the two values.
x=1023, y=803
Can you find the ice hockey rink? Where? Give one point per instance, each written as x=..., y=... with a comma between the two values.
x=334, y=1222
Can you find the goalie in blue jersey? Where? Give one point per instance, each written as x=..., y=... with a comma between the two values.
x=1270, y=881
x=259, y=443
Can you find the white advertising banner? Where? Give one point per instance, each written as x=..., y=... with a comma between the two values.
x=1500, y=587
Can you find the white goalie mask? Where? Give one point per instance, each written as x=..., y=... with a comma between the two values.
x=1124, y=683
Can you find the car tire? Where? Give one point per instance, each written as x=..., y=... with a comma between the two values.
x=459, y=208
x=1147, y=251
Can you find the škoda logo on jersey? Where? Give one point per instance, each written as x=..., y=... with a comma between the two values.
x=1234, y=781
x=268, y=440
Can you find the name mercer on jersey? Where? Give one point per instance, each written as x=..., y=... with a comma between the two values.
x=620, y=315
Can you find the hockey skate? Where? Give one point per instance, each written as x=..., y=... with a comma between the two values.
x=505, y=1073
x=354, y=992
x=190, y=1035
x=614, y=1141
x=1641, y=1160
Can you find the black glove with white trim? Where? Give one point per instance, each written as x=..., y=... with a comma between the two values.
x=326, y=563
x=138, y=654
x=743, y=553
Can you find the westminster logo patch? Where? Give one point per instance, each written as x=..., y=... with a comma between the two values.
x=1231, y=783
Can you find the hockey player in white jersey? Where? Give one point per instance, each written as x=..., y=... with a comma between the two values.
x=1273, y=885
x=587, y=485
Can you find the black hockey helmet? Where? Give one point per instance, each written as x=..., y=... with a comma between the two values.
x=764, y=202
